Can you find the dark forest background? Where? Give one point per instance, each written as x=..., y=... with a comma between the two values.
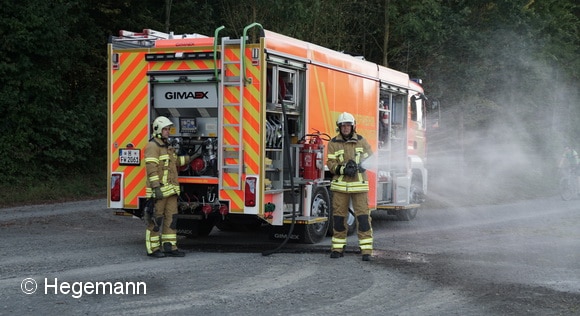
x=504, y=72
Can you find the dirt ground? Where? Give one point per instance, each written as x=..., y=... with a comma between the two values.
x=511, y=259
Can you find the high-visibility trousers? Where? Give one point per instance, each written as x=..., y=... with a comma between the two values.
x=166, y=236
x=340, y=204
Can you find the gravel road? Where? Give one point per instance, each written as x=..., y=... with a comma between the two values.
x=512, y=259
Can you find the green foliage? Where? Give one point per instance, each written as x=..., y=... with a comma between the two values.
x=514, y=62
x=92, y=185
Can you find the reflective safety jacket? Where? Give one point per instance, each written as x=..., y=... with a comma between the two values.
x=339, y=152
x=161, y=163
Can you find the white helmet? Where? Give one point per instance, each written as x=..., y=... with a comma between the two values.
x=159, y=124
x=345, y=117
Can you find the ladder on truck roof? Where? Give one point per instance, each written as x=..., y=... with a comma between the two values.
x=153, y=35
x=231, y=161
x=147, y=38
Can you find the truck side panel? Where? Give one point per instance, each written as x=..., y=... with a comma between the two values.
x=129, y=120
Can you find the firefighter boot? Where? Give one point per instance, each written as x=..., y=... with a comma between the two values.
x=366, y=257
x=336, y=254
x=156, y=254
x=172, y=253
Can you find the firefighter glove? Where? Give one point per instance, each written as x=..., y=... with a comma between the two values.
x=158, y=193
x=350, y=169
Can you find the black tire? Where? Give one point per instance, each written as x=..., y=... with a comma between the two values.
x=314, y=233
x=566, y=189
x=350, y=221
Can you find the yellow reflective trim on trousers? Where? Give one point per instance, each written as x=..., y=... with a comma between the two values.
x=170, y=238
x=151, y=242
x=338, y=243
x=365, y=241
x=366, y=247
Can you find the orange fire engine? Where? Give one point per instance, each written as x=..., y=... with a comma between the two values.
x=258, y=113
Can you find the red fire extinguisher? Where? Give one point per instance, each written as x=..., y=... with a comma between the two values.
x=310, y=164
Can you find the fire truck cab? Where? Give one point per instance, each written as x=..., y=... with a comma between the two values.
x=258, y=113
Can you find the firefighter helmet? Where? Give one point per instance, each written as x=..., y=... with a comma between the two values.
x=159, y=124
x=345, y=117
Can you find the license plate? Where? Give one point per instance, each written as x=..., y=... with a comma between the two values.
x=130, y=157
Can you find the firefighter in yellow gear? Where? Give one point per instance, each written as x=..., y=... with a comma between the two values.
x=161, y=163
x=346, y=152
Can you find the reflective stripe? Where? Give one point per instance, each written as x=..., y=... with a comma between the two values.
x=152, y=160
x=167, y=190
x=339, y=155
x=170, y=238
x=349, y=187
x=338, y=240
x=151, y=242
x=338, y=243
x=366, y=241
x=164, y=157
x=154, y=178
x=366, y=244
x=357, y=152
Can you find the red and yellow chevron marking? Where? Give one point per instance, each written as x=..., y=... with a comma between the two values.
x=130, y=111
x=251, y=124
x=129, y=123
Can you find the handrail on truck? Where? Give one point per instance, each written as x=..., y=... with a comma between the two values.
x=215, y=40
x=243, y=52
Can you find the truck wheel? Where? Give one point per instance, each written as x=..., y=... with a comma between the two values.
x=415, y=197
x=314, y=233
x=350, y=221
